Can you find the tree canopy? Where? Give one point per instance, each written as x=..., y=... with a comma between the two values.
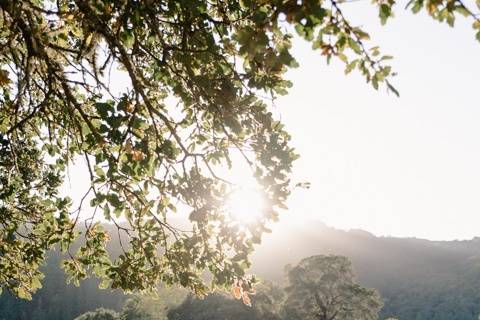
x=201, y=78
x=324, y=288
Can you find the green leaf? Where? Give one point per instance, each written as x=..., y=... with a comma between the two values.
x=351, y=66
x=104, y=284
x=128, y=38
x=23, y=294
x=354, y=46
x=385, y=13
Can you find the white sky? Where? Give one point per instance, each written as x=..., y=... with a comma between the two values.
x=407, y=166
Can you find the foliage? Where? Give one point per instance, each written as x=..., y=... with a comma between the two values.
x=99, y=314
x=146, y=307
x=265, y=305
x=132, y=310
x=324, y=288
x=200, y=75
x=58, y=300
x=142, y=307
x=213, y=307
x=268, y=300
x=174, y=304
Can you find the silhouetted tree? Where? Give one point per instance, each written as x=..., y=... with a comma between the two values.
x=324, y=288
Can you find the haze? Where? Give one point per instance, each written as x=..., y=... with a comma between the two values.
x=405, y=166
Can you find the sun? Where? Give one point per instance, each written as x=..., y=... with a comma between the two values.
x=245, y=205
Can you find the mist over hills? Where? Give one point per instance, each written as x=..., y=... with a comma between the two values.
x=418, y=279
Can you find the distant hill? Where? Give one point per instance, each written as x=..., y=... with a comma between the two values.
x=418, y=279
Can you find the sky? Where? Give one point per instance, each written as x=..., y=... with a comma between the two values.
x=408, y=166
x=404, y=167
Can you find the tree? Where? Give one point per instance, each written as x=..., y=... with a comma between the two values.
x=324, y=288
x=99, y=314
x=200, y=78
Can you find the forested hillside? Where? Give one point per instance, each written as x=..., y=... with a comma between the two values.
x=418, y=279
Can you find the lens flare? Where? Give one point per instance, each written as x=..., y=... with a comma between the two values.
x=245, y=205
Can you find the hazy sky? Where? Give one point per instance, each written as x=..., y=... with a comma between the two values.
x=407, y=166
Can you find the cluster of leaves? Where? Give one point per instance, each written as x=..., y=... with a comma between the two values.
x=440, y=10
x=243, y=291
x=35, y=217
x=221, y=61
